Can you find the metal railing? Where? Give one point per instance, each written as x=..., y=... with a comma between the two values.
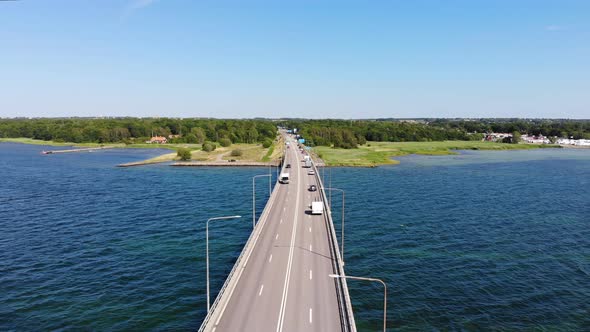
x=346, y=312
x=248, y=247
x=345, y=306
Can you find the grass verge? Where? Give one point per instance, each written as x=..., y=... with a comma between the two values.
x=380, y=153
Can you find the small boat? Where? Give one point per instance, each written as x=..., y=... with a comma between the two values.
x=47, y=152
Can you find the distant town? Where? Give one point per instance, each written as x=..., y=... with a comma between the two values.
x=538, y=139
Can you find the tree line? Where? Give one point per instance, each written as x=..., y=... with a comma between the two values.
x=351, y=133
x=137, y=130
x=329, y=132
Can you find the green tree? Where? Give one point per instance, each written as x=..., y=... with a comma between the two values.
x=184, y=154
x=199, y=134
x=225, y=142
x=252, y=135
x=191, y=138
x=267, y=143
x=515, y=137
x=236, y=153
x=208, y=146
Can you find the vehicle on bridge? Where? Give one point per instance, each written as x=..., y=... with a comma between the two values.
x=312, y=188
x=317, y=207
x=284, y=178
x=311, y=172
x=288, y=166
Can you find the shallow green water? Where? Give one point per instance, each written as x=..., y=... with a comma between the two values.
x=479, y=241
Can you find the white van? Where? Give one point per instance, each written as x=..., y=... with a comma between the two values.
x=284, y=178
x=317, y=207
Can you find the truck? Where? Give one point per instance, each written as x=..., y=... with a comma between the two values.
x=308, y=163
x=284, y=178
x=317, y=207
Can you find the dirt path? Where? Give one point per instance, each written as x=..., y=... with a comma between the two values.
x=221, y=155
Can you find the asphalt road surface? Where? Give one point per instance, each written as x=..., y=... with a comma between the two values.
x=285, y=284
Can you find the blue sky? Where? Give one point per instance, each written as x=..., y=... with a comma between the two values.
x=315, y=59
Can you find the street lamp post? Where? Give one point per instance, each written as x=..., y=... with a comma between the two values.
x=254, y=195
x=207, y=244
x=342, y=228
x=280, y=166
x=384, y=293
x=330, y=185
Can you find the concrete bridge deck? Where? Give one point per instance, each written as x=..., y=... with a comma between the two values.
x=280, y=281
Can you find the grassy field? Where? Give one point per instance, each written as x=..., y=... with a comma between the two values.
x=41, y=142
x=250, y=152
x=275, y=151
x=90, y=145
x=160, y=159
x=368, y=155
x=380, y=153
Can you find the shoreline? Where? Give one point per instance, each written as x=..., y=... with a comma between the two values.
x=375, y=154
x=380, y=155
x=223, y=164
x=212, y=159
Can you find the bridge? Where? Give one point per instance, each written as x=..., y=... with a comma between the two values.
x=281, y=280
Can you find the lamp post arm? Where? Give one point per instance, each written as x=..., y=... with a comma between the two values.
x=342, y=228
x=384, y=293
x=207, y=251
x=254, y=195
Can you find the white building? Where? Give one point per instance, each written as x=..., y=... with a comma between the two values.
x=576, y=142
x=535, y=139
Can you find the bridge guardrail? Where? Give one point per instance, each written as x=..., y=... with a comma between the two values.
x=248, y=247
x=345, y=304
x=346, y=311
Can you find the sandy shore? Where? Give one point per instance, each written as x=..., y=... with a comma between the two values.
x=225, y=163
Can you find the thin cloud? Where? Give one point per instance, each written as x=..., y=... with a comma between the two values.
x=139, y=4
x=134, y=6
x=554, y=27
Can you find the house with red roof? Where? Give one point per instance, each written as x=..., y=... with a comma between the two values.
x=157, y=140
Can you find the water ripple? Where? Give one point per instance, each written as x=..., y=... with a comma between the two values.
x=482, y=241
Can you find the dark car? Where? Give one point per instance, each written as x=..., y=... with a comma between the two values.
x=288, y=166
x=313, y=187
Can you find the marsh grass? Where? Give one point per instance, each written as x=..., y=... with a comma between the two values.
x=380, y=153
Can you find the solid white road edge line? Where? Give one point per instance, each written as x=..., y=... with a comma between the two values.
x=290, y=261
x=246, y=261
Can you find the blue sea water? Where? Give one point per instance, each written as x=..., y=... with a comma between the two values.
x=476, y=241
x=484, y=240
